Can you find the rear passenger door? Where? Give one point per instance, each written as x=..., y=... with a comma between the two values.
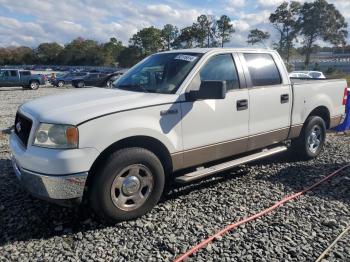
x=13, y=78
x=91, y=79
x=269, y=100
x=216, y=128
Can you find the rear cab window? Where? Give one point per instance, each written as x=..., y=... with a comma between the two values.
x=262, y=69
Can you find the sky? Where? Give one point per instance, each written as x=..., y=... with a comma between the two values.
x=30, y=22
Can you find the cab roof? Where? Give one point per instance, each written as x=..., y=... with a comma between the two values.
x=207, y=50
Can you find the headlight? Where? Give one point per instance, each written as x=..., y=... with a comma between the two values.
x=56, y=136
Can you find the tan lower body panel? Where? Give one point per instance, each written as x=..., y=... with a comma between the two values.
x=295, y=131
x=268, y=138
x=334, y=121
x=200, y=155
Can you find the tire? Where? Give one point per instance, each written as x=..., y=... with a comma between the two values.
x=120, y=181
x=311, y=140
x=109, y=84
x=34, y=85
x=80, y=84
x=60, y=84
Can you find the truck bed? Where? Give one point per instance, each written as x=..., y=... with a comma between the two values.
x=313, y=93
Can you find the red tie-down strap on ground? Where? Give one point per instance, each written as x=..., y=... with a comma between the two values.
x=253, y=217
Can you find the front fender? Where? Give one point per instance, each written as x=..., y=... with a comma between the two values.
x=101, y=132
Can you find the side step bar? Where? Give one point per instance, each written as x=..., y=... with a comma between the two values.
x=198, y=174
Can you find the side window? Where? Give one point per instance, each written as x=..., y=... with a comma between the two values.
x=221, y=68
x=262, y=69
x=5, y=73
x=13, y=73
x=315, y=74
x=24, y=73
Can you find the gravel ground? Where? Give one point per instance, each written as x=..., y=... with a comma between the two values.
x=34, y=230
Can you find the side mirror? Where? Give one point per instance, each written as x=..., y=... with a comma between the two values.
x=208, y=90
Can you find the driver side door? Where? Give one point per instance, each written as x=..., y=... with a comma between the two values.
x=216, y=128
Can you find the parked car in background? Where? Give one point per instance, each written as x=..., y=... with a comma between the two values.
x=307, y=74
x=299, y=75
x=67, y=78
x=24, y=78
x=96, y=79
x=181, y=114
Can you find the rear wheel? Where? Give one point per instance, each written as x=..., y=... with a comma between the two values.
x=34, y=85
x=311, y=140
x=128, y=185
x=80, y=84
x=60, y=84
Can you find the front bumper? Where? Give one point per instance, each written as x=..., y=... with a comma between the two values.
x=55, y=175
x=51, y=187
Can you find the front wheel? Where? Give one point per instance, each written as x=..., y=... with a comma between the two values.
x=128, y=185
x=311, y=140
x=109, y=84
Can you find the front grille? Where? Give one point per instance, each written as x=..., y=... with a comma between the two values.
x=23, y=125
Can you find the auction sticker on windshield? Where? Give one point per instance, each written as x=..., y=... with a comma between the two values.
x=189, y=58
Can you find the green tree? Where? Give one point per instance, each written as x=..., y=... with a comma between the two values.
x=48, y=53
x=225, y=29
x=204, y=30
x=169, y=34
x=257, y=36
x=149, y=40
x=82, y=52
x=186, y=38
x=21, y=55
x=285, y=21
x=129, y=56
x=320, y=20
x=111, y=51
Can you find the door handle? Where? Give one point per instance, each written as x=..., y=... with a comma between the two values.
x=242, y=104
x=284, y=98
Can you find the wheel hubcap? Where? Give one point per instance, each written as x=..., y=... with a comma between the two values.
x=131, y=187
x=314, y=139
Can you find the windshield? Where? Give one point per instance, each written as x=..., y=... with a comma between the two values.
x=159, y=73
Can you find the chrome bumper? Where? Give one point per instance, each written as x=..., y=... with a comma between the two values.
x=51, y=187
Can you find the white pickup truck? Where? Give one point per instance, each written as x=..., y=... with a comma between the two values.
x=195, y=111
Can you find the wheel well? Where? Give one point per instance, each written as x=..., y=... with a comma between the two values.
x=322, y=112
x=150, y=143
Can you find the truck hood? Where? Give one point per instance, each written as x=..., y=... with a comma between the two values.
x=77, y=106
